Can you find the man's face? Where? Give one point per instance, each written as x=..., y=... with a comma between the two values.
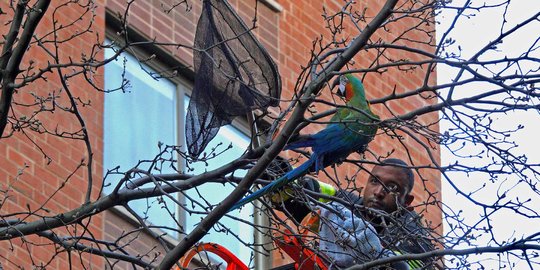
x=386, y=188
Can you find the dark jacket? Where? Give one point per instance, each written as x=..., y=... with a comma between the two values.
x=401, y=231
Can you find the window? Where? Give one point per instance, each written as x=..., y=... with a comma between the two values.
x=136, y=121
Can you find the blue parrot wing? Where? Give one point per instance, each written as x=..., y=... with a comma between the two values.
x=335, y=143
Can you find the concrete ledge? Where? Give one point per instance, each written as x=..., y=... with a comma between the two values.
x=275, y=6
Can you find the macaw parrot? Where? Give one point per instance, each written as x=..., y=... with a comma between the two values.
x=351, y=129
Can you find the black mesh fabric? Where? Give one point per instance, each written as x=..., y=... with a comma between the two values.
x=233, y=75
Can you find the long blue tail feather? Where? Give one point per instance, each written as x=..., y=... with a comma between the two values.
x=275, y=185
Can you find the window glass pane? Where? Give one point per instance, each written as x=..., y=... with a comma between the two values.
x=135, y=122
x=214, y=193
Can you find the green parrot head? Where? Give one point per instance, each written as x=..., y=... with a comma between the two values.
x=352, y=89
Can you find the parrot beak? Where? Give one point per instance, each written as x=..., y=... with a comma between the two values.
x=341, y=91
x=341, y=86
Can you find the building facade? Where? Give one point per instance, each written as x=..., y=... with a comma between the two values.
x=47, y=168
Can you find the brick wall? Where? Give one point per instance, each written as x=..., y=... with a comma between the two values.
x=40, y=173
x=288, y=37
x=286, y=34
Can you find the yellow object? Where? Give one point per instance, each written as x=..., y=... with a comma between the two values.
x=286, y=193
x=281, y=196
x=326, y=189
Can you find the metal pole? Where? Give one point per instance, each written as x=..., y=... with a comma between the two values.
x=261, y=240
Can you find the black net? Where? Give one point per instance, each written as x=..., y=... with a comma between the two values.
x=233, y=75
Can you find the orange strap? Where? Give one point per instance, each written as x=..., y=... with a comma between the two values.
x=294, y=246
